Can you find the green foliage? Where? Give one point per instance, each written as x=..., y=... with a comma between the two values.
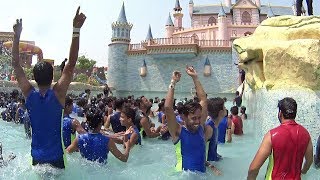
x=5, y=64
x=93, y=81
x=85, y=63
x=28, y=72
x=81, y=78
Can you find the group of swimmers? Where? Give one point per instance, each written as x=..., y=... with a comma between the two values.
x=192, y=125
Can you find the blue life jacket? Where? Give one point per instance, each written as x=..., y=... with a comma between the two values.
x=213, y=142
x=115, y=123
x=136, y=130
x=94, y=147
x=222, y=128
x=46, y=121
x=193, y=149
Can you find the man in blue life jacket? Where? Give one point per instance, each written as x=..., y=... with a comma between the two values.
x=46, y=105
x=191, y=135
x=70, y=125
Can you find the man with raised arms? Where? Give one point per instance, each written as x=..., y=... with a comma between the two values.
x=45, y=105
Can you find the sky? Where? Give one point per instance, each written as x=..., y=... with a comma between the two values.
x=49, y=23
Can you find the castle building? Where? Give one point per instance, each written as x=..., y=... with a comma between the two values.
x=146, y=67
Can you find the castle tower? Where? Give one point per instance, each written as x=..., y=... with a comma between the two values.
x=191, y=4
x=270, y=12
x=228, y=3
x=177, y=16
x=169, y=27
x=258, y=3
x=117, y=57
x=222, y=25
x=149, y=35
x=294, y=7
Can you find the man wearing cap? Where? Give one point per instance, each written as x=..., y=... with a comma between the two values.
x=286, y=145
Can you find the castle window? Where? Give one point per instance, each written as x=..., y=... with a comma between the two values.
x=212, y=20
x=246, y=17
x=127, y=33
x=122, y=32
x=118, y=32
x=203, y=35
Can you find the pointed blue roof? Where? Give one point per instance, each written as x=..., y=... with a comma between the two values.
x=122, y=16
x=177, y=6
x=149, y=35
x=169, y=21
x=191, y=2
x=270, y=12
x=144, y=63
x=222, y=12
x=207, y=63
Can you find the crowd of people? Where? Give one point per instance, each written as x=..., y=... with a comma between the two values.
x=191, y=125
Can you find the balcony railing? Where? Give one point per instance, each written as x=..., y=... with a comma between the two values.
x=179, y=41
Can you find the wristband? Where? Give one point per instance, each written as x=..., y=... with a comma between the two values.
x=76, y=30
x=75, y=35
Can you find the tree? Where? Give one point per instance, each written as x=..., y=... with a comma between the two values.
x=85, y=63
x=81, y=78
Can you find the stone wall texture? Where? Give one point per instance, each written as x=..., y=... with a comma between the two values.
x=123, y=72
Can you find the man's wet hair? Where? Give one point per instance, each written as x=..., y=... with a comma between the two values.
x=288, y=107
x=118, y=104
x=43, y=73
x=180, y=108
x=234, y=110
x=82, y=102
x=129, y=112
x=237, y=93
x=191, y=107
x=215, y=105
x=94, y=116
x=68, y=101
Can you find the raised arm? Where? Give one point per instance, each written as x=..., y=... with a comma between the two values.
x=200, y=93
x=174, y=127
x=23, y=82
x=61, y=87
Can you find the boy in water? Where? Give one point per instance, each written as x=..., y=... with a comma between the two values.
x=191, y=135
x=46, y=145
x=93, y=145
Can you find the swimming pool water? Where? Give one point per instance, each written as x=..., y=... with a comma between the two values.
x=155, y=159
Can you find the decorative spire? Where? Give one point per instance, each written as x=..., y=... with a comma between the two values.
x=169, y=21
x=191, y=2
x=149, y=35
x=122, y=16
x=207, y=63
x=222, y=12
x=144, y=63
x=177, y=7
x=270, y=12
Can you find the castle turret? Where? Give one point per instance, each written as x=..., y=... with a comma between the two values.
x=177, y=16
x=270, y=12
x=294, y=7
x=258, y=3
x=143, y=69
x=207, y=68
x=149, y=35
x=222, y=25
x=191, y=4
x=117, y=56
x=228, y=3
x=169, y=27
